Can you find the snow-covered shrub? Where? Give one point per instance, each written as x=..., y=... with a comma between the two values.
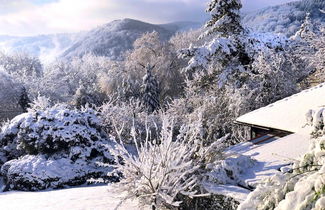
x=230, y=169
x=164, y=168
x=53, y=133
x=36, y=172
x=303, y=186
x=316, y=119
x=41, y=103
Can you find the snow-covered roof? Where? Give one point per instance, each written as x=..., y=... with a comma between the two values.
x=287, y=114
x=271, y=156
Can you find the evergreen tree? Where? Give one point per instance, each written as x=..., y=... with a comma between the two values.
x=225, y=17
x=150, y=90
x=24, y=101
x=227, y=51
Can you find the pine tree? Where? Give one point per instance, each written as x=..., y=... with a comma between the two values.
x=225, y=17
x=227, y=49
x=150, y=90
x=24, y=101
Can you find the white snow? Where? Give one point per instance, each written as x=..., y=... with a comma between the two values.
x=286, y=114
x=271, y=156
x=238, y=193
x=93, y=197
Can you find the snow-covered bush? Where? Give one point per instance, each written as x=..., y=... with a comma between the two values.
x=303, y=186
x=54, y=134
x=36, y=172
x=230, y=170
x=164, y=168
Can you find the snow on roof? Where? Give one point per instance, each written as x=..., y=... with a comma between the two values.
x=271, y=156
x=287, y=114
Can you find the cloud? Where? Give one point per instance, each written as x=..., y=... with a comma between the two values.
x=31, y=17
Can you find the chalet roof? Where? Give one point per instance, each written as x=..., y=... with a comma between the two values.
x=287, y=114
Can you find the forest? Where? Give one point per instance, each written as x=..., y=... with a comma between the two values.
x=156, y=122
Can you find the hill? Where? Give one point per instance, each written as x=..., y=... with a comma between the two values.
x=285, y=18
x=109, y=40
x=113, y=39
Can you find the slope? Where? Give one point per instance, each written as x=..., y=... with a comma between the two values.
x=285, y=18
x=114, y=38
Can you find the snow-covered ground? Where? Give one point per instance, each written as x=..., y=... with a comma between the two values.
x=78, y=198
x=271, y=156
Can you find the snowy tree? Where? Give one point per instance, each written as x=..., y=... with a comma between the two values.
x=306, y=30
x=235, y=71
x=83, y=98
x=225, y=17
x=121, y=82
x=11, y=92
x=25, y=69
x=184, y=39
x=227, y=48
x=21, y=64
x=24, y=100
x=62, y=78
x=150, y=49
x=309, y=44
x=150, y=90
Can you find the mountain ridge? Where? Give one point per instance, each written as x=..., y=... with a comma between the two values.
x=99, y=41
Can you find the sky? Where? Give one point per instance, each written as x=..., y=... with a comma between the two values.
x=32, y=17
